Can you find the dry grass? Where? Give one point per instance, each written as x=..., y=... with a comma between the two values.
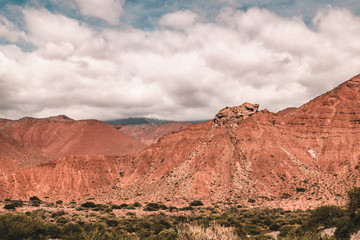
x=213, y=232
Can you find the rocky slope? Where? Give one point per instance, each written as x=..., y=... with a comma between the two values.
x=297, y=158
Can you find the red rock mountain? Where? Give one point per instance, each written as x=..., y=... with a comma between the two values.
x=30, y=141
x=297, y=158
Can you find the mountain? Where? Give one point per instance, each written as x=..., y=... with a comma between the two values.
x=149, y=133
x=307, y=156
x=29, y=141
x=136, y=121
x=142, y=120
x=297, y=158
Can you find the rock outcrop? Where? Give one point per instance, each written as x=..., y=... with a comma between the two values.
x=231, y=116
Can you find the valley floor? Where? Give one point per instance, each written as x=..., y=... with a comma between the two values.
x=39, y=219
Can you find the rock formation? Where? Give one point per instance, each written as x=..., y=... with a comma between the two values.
x=231, y=116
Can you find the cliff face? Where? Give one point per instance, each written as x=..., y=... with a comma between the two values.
x=296, y=158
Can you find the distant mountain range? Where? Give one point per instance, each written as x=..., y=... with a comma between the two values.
x=143, y=120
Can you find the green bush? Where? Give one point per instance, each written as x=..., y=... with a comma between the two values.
x=173, y=209
x=285, y=196
x=17, y=226
x=114, y=206
x=34, y=198
x=344, y=227
x=155, y=207
x=88, y=205
x=123, y=205
x=196, y=203
x=325, y=216
x=72, y=231
x=354, y=201
x=10, y=206
x=167, y=234
x=300, y=189
x=188, y=208
x=58, y=214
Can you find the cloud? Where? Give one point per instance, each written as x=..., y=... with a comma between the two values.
x=9, y=32
x=44, y=26
x=186, y=69
x=179, y=19
x=108, y=10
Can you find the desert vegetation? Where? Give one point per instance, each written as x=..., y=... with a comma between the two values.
x=37, y=219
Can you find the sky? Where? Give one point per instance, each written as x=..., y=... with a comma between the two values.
x=175, y=60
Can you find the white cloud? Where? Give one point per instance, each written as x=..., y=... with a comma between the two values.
x=179, y=19
x=108, y=10
x=9, y=32
x=44, y=26
x=58, y=36
x=253, y=55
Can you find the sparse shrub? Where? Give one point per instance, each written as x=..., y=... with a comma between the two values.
x=196, y=203
x=344, y=227
x=88, y=205
x=59, y=202
x=285, y=195
x=53, y=231
x=72, y=231
x=18, y=226
x=300, y=189
x=62, y=220
x=324, y=216
x=13, y=204
x=167, y=234
x=34, y=198
x=173, y=209
x=123, y=205
x=35, y=201
x=251, y=200
x=101, y=207
x=10, y=206
x=79, y=209
x=151, y=207
x=137, y=204
x=353, y=200
x=130, y=207
x=114, y=206
x=58, y=214
x=274, y=227
x=188, y=208
x=155, y=207
x=112, y=223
